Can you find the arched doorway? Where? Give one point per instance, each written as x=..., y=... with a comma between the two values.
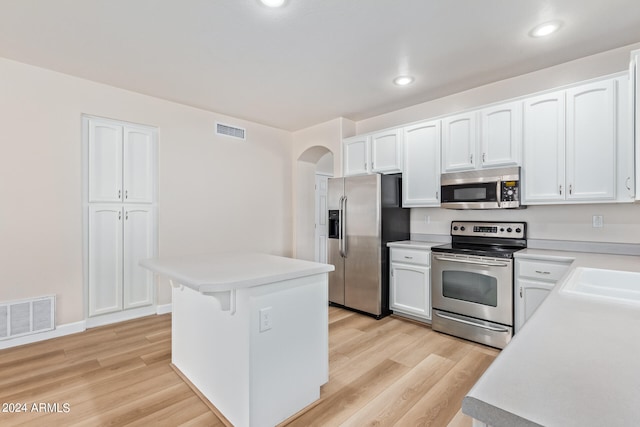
x=313, y=167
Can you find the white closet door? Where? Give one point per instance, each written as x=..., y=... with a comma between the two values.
x=105, y=162
x=138, y=244
x=105, y=259
x=138, y=165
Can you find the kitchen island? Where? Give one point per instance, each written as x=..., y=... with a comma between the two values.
x=249, y=331
x=574, y=363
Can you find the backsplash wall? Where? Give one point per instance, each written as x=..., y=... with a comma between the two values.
x=560, y=222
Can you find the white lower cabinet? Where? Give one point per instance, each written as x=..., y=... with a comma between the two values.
x=410, y=286
x=534, y=281
x=119, y=236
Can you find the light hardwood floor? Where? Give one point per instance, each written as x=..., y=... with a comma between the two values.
x=386, y=372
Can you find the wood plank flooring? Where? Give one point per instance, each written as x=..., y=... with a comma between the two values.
x=390, y=372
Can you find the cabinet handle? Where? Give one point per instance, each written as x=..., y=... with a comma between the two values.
x=437, y=195
x=471, y=158
x=119, y=215
x=543, y=272
x=520, y=291
x=126, y=215
x=570, y=189
x=484, y=157
x=626, y=183
x=408, y=257
x=126, y=194
x=119, y=194
x=561, y=189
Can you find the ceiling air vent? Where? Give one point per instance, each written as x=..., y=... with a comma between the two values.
x=232, y=131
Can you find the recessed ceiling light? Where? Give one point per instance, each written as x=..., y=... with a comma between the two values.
x=545, y=29
x=403, y=80
x=273, y=3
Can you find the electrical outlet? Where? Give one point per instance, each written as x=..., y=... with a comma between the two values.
x=427, y=219
x=265, y=319
x=598, y=221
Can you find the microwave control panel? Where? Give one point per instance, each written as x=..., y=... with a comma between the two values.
x=510, y=194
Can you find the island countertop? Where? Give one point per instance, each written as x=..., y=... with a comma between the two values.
x=575, y=362
x=228, y=271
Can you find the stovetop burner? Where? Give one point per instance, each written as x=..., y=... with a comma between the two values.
x=489, y=239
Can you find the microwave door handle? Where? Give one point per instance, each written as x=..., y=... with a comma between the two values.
x=469, y=261
x=499, y=192
x=467, y=322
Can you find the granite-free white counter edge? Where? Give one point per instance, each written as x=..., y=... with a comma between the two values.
x=413, y=244
x=575, y=362
x=227, y=271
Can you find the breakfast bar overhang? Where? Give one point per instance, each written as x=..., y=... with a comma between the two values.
x=249, y=331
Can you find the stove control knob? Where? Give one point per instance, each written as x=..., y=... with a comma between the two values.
x=462, y=228
x=502, y=230
x=455, y=228
x=509, y=230
x=518, y=230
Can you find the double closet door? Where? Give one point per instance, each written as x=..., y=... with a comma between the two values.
x=121, y=214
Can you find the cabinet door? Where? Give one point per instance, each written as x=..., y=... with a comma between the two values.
x=105, y=162
x=138, y=244
x=421, y=177
x=459, y=135
x=105, y=259
x=386, y=151
x=591, y=142
x=355, y=156
x=625, y=185
x=138, y=165
x=411, y=290
x=635, y=94
x=501, y=135
x=544, y=148
x=530, y=294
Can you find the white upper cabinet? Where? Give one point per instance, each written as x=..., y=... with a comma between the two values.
x=121, y=162
x=105, y=162
x=634, y=91
x=355, y=155
x=421, y=177
x=591, y=142
x=577, y=144
x=501, y=135
x=459, y=135
x=488, y=138
x=544, y=147
x=386, y=151
x=138, y=165
x=380, y=152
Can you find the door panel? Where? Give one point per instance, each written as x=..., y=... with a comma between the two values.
x=138, y=244
x=105, y=162
x=138, y=161
x=105, y=259
x=362, y=265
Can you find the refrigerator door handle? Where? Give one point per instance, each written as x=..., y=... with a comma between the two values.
x=343, y=226
x=340, y=219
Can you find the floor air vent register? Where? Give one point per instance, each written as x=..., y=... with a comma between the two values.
x=25, y=317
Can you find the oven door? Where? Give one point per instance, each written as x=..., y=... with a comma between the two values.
x=473, y=286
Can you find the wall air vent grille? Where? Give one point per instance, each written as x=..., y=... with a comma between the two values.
x=232, y=131
x=18, y=318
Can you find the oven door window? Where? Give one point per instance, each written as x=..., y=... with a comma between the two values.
x=471, y=287
x=481, y=192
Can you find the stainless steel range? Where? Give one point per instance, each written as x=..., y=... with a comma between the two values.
x=472, y=281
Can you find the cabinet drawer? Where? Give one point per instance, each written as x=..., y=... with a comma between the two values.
x=411, y=256
x=545, y=270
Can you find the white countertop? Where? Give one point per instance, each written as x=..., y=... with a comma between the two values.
x=576, y=362
x=227, y=271
x=414, y=244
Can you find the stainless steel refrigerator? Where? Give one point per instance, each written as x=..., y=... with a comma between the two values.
x=365, y=212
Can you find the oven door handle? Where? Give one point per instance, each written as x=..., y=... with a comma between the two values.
x=468, y=261
x=467, y=322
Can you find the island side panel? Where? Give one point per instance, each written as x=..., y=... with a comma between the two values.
x=211, y=348
x=290, y=361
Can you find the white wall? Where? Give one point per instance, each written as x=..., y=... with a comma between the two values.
x=621, y=221
x=215, y=193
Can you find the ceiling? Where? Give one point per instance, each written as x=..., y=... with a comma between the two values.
x=311, y=61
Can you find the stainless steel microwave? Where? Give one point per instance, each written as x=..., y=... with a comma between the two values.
x=481, y=189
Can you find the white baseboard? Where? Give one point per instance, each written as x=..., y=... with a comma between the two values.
x=120, y=316
x=61, y=330
x=163, y=309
